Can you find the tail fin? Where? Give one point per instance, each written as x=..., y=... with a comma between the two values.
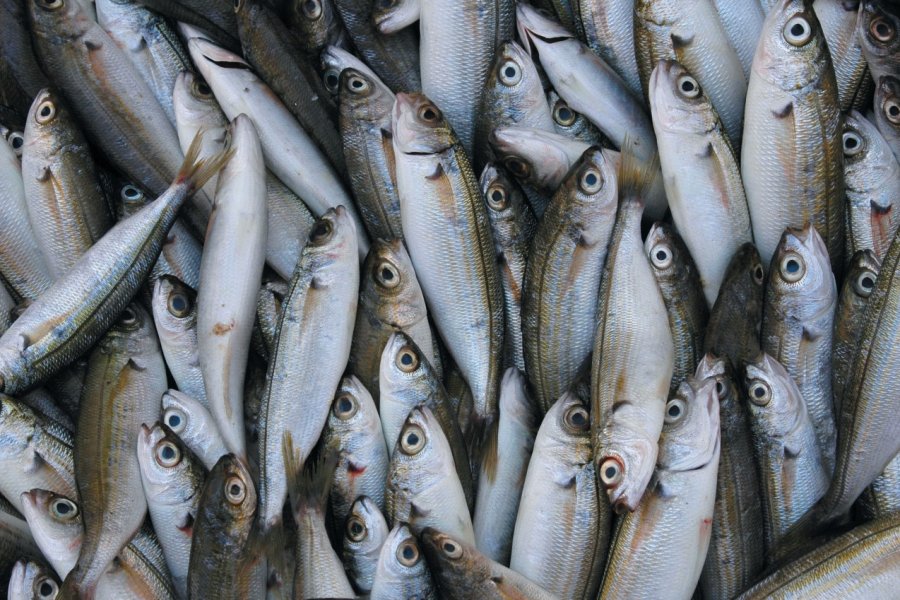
x=636, y=177
x=195, y=172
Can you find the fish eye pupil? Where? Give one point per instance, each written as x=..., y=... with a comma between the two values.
x=46, y=589
x=894, y=110
x=174, y=421
x=687, y=86
x=45, y=112
x=674, y=410
x=565, y=114
x=719, y=388
x=867, y=282
x=331, y=79
x=758, y=272
x=797, y=29
x=792, y=266
x=759, y=392
x=387, y=274
x=661, y=255
x=17, y=142
x=590, y=179
x=510, y=71
x=63, y=508
x=449, y=547
x=408, y=553
x=234, y=490
x=356, y=529
x=497, y=196
x=406, y=359
x=179, y=303
x=610, y=472
x=412, y=439
x=344, y=405
x=168, y=453
x=428, y=114
x=357, y=84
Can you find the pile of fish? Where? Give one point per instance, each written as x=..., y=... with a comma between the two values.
x=470, y=299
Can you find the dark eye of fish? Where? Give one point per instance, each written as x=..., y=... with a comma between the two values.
x=406, y=359
x=565, y=114
x=792, y=266
x=412, y=439
x=63, y=508
x=17, y=141
x=356, y=529
x=168, y=453
x=174, y=421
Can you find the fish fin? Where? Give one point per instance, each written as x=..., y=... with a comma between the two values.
x=491, y=452
x=196, y=172
x=309, y=488
x=635, y=176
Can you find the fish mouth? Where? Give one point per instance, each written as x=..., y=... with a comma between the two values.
x=216, y=55
x=533, y=26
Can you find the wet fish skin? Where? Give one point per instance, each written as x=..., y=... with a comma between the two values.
x=882, y=498
x=537, y=157
x=742, y=23
x=842, y=26
x=679, y=284
x=175, y=316
x=65, y=204
x=364, y=534
x=563, y=277
x=798, y=323
x=608, y=30
x=877, y=26
x=402, y=568
x=31, y=580
x=391, y=16
x=887, y=111
x=55, y=521
x=215, y=18
x=16, y=541
x=190, y=420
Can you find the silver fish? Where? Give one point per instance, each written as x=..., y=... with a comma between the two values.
x=175, y=316
x=190, y=420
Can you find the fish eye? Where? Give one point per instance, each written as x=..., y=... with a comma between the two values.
x=345, y=407
x=235, y=490
x=179, y=304
x=451, y=549
x=200, y=89
x=563, y=115
x=387, y=275
x=661, y=256
x=131, y=193
x=882, y=30
x=676, y=408
x=892, y=111
x=497, y=198
x=797, y=31
x=45, y=112
x=357, y=84
x=46, y=588
x=332, y=79
x=510, y=73
x=518, y=167
x=720, y=388
x=175, y=419
x=167, y=454
x=792, y=267
x=412, y=440
x=865, y=283
x=51, y=4
x=321, y=232
x=356, y=529
x=128, y=318
x=577, y=418
x=853, y=143
x=758, y=274
x=612, y=472
x=430, y=113
x=16, y=141
x=312, y=9
x=407, y=359
x=63, y=509
x=591, y=181
x=688, y=86
x=238, y=4
x=759, y=392
x=408, y=553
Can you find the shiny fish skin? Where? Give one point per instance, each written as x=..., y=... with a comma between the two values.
x=402, y=570
x=65, y=204
x=365, y=531
x=877, y=28
x=861, y=563
x=691, y=33
x=700, y=172
x=512, y=226
x=391, y=16
x=679, y=284
x=887, y=111
x=882, y=498
x=791, y=153
x=537, y=157
x=190, y=420
x=16, y=541
x=30, y=580
x=608, y=30
x=573, y=124
x=55, y=522
x=563, y=275
x=214, y=17
x=561, y=507
x=126, y=378
x=658, y=551
x=742, y=22
x=175, y=315
x=315, y=326
x=842, y=25
x=792, y=470
x=801, y=298
x=230, y=274
x=872, y=179
x=633, y=355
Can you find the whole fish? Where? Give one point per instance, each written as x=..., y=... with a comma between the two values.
x=353, y=430
x=315, y=327
x=659, y=550
x=798, y=323
x=497, y=504
x=633, y=355
x=513, y=225
x=364, y=534
x=691, y=33
x=861, y=563
x=422, y=486
x=223, y=541
x=736, y=553
x=190, y=420
x=736, y=318
x=872, y=179
x=457, y=44
x=742, y=22
x=843, y=26
x=513, y=97
x=882, y=498
x=448, y=235
x=65, y=204
x=792, y=471
x=173, y=481
x=849, y=319
x=150, y=42
x=562, y=277
x=561, y=507
x=230, y=273
x=316, y=24
x=365, y=125
x=876, y=27
x=791, y=153
x=679, y=284
x=125, y=380
x=402, y=571
x=457, y=565
x=608, y=30
x=537, y=157
x=75, y=312
x=55, y=522
x=175, y=316
x=30, y=580
x=395, y=58
x=700, y=171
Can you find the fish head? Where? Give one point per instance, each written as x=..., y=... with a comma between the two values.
x=314, y=20
x=801, y=270
x=230, y=494
x=403, y=367
x=591, y=183
x=452, y=561
x=877, y=26
x=863, y=273
x=401, y=555
x=661, y=250
x=422, y=451
x=776, y=406
x=194, y=101
x=565, y=433
x=178, y=412
x=216, y=63
x=721, y=371
x=535, y=156
x=366, y=97
x=514, y=74
x=174, y=306
x=500, y=193
x=54, y=520
x=166, y=464
x=537, y=27
x=419, y=126
x=887, y=104
x=677, y=101
x=393, y=15
x=366, y=528
x=792, y=52
x=330, y=247
x=353, y=410
x=32, y=580
x=61, y=22
x=690, y=434
x=625, y=464
x=133, y=334
x=18, y=425
x=48, y=116
x=389, y=281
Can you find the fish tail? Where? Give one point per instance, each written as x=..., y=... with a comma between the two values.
x=308, y=488
x=195, y=172
x=636, y=177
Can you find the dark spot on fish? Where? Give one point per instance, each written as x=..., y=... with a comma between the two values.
x=92, y=45
x=790, y=453
x=355, y=470
x=620, y=404
x=438, y=172
x=784, y=112
x=810, y=336
x=223, y=328
x=707, y=152
x=681, y=42
x=133, y=365
x=188, y=526
x=315, y=284
x=880, y=210
x=387, y=134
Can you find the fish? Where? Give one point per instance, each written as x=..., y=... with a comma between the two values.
x=190, y=420
x=365, y=532
x=175, y=316
x=316, y=24
x=672, y=525
x=215, y=18
x=21, y=77
x=31, y=580
x=742, y=23
x=876, y=29
x=55, y=522
x=392, y=16
x=607, y=28
x=573, y=124
x=402, y=568
x=887, y=111
x=537, y=157
x=563, y=277
x=844, y=27
x=882, y=498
